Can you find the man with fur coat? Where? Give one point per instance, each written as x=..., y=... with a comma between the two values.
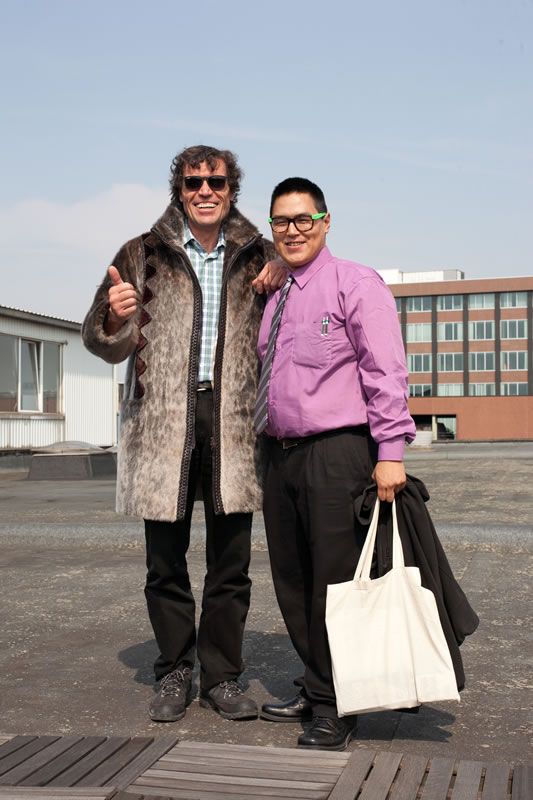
x=179, y=302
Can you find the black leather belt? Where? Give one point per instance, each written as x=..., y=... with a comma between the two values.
x=286, y=444
x=204, y=386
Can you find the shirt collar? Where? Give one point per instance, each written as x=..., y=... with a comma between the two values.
x=189, y=239
x=304, y=274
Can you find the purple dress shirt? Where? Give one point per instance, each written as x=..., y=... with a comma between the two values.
x=339, y=358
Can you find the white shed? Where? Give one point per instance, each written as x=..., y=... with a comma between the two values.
x=51, y=388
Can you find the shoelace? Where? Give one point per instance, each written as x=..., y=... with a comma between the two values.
x=174, y=681
x=231, y=689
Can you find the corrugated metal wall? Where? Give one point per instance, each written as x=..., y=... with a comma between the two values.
x=89, y=394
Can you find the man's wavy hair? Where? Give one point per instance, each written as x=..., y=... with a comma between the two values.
x=193, y=157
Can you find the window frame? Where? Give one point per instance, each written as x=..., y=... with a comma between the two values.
x=20, y=341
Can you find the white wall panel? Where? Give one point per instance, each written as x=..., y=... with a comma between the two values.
x=28, y=432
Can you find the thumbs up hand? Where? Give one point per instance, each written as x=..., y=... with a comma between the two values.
x=123, y=301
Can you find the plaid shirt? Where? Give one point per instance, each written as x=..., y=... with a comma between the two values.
x=208, y=269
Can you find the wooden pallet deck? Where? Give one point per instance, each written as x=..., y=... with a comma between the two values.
x=144, y=768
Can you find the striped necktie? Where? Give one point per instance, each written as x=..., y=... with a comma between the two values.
x=261, y=404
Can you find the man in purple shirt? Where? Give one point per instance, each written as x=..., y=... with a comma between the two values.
x=332, y=402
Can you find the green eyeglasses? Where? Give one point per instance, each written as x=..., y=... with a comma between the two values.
x=302, y=223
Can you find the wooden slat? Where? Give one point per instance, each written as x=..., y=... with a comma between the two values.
x=45, y=793
x=381, y=777
x=312, y=756
x=167, y=778
x=467, y=780
x=31, y=765
x=522, y=782
x=131, y=793
x=409, y=778
x=256, y=754
x=155, y=750
x=20, y=754
x=163, y=783
x=353, y=775
x=496, y=781
x=222, y=768
x=111, y=766
x=63, y=761
x=438, y=779
x=88, y=763
x=265, y=770
x=14, y=743
x=179, y=762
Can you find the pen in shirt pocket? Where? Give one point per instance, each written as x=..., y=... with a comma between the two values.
x=325, y=326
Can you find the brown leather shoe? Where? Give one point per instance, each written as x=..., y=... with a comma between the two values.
x=228, y=700
x=295, y=710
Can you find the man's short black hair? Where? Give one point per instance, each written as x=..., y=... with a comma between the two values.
x=193, y=157
x=302, y=186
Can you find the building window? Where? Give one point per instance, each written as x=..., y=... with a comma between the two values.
x=513, y=328
x=8, y=373
x=51, y=377
x=418, y=331
x=419, y=362
x=450, y=390
x=450, y=362
x=450, y=302
x=446, y=427
x=30, y=375
x=513, y=389
x=419, y=390
x=398, y=304
x=514, y=359
x=482, y=389
x=481, y=362
x=513, y=300
x=481, y=300
x=481, y=329
x=419, y=303
x=449, y=331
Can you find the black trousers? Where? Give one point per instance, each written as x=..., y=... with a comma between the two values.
x=314, y=539
x=226, y=593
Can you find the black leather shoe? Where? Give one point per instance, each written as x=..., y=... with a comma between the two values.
x=328, y=733
x=228, y=700
x=295, y=710
x=173, y=697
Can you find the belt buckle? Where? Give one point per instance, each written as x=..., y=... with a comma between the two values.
x=288, y=443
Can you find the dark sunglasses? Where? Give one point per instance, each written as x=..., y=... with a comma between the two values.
x=195, y=182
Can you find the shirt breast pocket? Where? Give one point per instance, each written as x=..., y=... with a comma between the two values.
x=311, y=348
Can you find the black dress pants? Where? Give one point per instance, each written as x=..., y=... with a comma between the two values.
x=314, y=539
x=226, y=593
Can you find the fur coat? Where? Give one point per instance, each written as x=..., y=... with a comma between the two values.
x=162, y=343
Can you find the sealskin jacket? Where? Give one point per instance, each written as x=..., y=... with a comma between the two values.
x=162, y=342
x=422, y=548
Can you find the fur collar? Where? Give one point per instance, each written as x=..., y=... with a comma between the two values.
x=237, y=229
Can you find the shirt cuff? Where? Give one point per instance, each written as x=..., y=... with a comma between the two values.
x=391, y=450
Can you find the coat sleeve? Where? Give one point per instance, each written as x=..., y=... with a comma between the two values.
x=113, y=349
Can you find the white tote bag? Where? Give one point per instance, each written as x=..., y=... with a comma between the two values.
x=387, y=646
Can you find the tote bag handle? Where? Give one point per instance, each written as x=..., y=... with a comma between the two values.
x=362, y=571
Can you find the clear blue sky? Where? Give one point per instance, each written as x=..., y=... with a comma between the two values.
x=415, y=117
